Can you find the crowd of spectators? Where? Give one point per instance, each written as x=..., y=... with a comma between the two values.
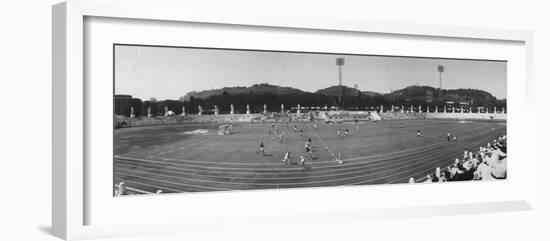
x=489, y=162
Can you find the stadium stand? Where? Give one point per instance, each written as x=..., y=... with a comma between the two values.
x=472, y=116
x=401, y=116
x=487, y=163
x=348, y=116
x=336, y=116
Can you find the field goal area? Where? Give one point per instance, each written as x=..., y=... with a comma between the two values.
x=224, y=129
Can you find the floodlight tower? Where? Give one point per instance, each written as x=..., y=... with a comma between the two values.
x=440, y=69
x=340, y=62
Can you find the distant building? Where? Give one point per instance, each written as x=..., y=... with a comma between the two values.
x=450, y=103
x=139, y=108
x=465, y=104
x=123, y=104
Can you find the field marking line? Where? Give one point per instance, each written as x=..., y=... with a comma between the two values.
x=421, y=166
x=297, y=183
x=372, y=179
x=286, y=167
x=363, y=169
x=439, y=144
x=417, y=173
x=175, y=144
x=206, y=167
x=149, y=185
x=430, y=163
x=388, y=163
x=412, y=127
x=175, y=183
x=314, y=182
x=194, y=143
x=323, y=142
x=341, y=168
x=242, y=127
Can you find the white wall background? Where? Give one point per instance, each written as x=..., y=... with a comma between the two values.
x=25, y=150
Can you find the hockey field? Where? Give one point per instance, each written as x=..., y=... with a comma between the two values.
x=194, y=158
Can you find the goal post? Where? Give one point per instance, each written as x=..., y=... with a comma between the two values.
x=224, y=130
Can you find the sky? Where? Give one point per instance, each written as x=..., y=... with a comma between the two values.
x=168, y=73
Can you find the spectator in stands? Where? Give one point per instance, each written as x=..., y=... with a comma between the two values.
x=483, y=172
x=428, y=178
x=445, y=176
x=498, y=169
x=468, y=170
x=489, y=163
x=435, y=178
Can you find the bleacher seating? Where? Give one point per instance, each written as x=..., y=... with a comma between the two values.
x=486, y=163
x=473, y=116
x=401, y=116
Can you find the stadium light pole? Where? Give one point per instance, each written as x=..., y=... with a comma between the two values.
x=440, y=69
x=340, y=62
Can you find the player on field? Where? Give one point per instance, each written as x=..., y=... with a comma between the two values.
x=301, y=132
x=448, y=136
x=346, y=132
x=287, y=158
x=315, y=126
x=303, y=162
x=338, y=132
x=454, y=138
x=295, y=128
x=261, y=148
x=418, y=132
x=309, y=152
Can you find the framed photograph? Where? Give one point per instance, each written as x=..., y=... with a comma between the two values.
x=179, y=121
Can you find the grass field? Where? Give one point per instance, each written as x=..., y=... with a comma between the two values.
x=166, y=158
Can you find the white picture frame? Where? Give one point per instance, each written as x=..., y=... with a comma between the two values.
x=71, y=189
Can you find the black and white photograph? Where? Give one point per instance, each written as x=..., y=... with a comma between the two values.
x=203, y=119
x=275, y=120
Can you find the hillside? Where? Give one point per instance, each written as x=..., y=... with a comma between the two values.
x=273, y=96
x=238, y=90
x=427, y=94
x=337, y=90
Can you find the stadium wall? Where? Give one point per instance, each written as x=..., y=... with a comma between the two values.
x=473, y=116
x=121, y=121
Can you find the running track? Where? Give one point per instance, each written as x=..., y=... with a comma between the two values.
x=152, y=172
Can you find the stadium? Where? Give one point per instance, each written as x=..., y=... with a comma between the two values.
x=220, y=152
x=269, y=136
